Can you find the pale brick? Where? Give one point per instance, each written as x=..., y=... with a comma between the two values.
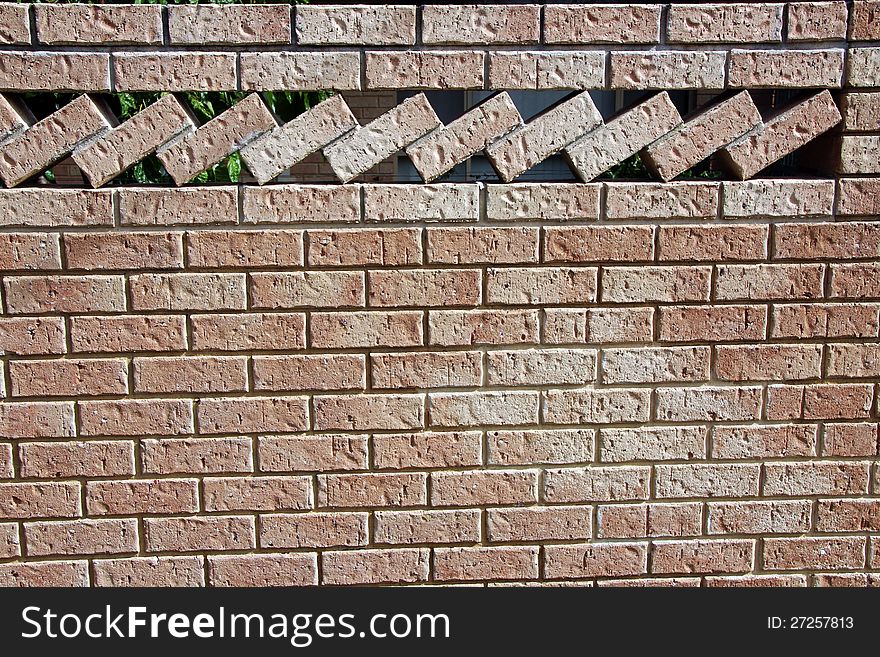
x=313, y=530
x=257, y=493
x=81, y=537
x=425, y=370
x=425, y=288
x=595, y=559
x=776, y=517
x=600, y=325
x=174, y=71
x=778, y=198
x=693, y=141
x=37, y=420
x=109, y=251
x=546, y=70
x=273, y=331
x=476, y=327
x=707, y=480
x=98, y=25
x=388, y=247
x=150, y=571
x=311, y=289
x=38, y=251
x=541, y=286
x=645, y=284
x=194, y=534
x=540, y=446
x=825, y=320
x=264, y=569
x=679, y=200
x=596, y=406
x=133, y=140
x=708, y=403
x=442, y=527
x=476, y=24
x=203, y=24
x=196, y=455
x=725, y=23
x=858, y=154
x=68, y=377
x=301, y=203
x=764, y=441
x=173, y=207
x=465, y=409
x=814, y=553
x=364, y=147
x=486, y=487
x=427, y=450
x=252, y=414
x=602, y=23
x=439, y=202
x=485, y=563
x=54, y=71
x=816, y=21
x=282, y=147
x=653, y=444
x=50, y=500
x=372, y=490
x=704, y=556
x=216, y=139
x=133, y=417
x=816, y=478
x=755, y=69
x=366, y=329
x=542, y=202
x=369, y=412
x=129, y=333
x=318, y=372
x=187, y=292
x=771, y=282
x=312, y=453
x=483, y=245
x=16, y=25
x=422, y=69
x=863, y=26
x=861, y=111
x=14, y=115
x=300, y=71
x=655, y=364
x=554, y=523
x=596, y=484
x=543, y=136
x=356, y=25
x=375, y=566
x=541, y=367
x=672, y=69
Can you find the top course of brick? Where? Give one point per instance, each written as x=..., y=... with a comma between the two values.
x=577, y=46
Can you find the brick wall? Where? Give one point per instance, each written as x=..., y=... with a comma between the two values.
x=663, y=381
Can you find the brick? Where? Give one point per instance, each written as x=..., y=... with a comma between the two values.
x=369, y=412
x=49, y=140
x=708, y=403
x=383, y=247
x=863, y=26
x=441, y=527
x=173, y=207
x=598, y=244
x=649, y=520
x=312, y=453
x=258, y=331
x=775, y=517
x=861, y=111
x=595, y=559
x=595, y=406
x=825, y=320
x=216, y=139
x=252, y=414
x=712, y=324
x=725, y=23
x=707, y=480
x=439, y=202
x=675, y=582
x=484, y=487
x=678, y=200
x=423, y=69
x=358, y=25
x=768, y=362
x=848, y=515
x=229, y=25
x=853, y=361
x=752, y=581
x=543, y=136
x=850, y=440
x=542, y=202
x=540, y=523
x=37, y=420
x=546, y=70
x=851, y=281
x=425, y=370
x=108, y=251
x=601, y=24
x=478, y=327
x=301, y=203
x=846, y=579
x=14, y=116
x=187, y=292
x=541, y=286
x=814, y=553
x=653, y=444
x=264, y=570
x=7, y=467
x=540, y=446
x=466, y=409
x=199, y=534
x=623, y=136
x=645, y=284
x=282, y=147
x=266, y=248
x=482, y=245
x=54, y=71
x=257, y=493
x=756, y=69
x=816, y=21
x=49, y=500
x=816, y=478
x=485, y=563
x=705, y=556
x=372, y=490
x=174, y=71
x=778, y=198
x=541, y=367
x=16, y=25
x=842, y=401
x=672, y=69
x=781, y=135
x=196, y=455
x=300, y=71
x=771, y=282
x=364, y=147
x=833, y=240
x=81, y=537
x=427, y=450
x=110, y=334
x=764, y=441
x=307, y=289
x=375, y=566
x=133, y=140
x=313, y=530
x=596, y=484
x=9, y=541
x=601, y=325
x=425, y=287
x=366, y=329
x=440, y=150
x=68, y=377
x=693, y=141
x=190, y=374
x=319, y=372
x=29, y=251
x=858, y=154
x=475, y=24
x=84, y=24
x=45, y=573
x=655, y=365
x=132, y=417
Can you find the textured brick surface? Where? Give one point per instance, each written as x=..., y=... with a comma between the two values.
x=85, y=24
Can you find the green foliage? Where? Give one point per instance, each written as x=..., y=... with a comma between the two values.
x=634, y=168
